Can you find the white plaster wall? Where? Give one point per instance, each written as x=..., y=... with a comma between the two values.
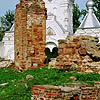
x=95, y=32
x=59, y=20
x=8, y=45
x=2, y=49
x=63, y=10
x=58, y=33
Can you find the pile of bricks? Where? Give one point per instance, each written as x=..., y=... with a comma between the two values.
x=47, y=92
x=30, y=34
x=80, y=52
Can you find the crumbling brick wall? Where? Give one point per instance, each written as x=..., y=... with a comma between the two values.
x=30, y=34
x=89, y=93
x=47, y=92
x=82, y=52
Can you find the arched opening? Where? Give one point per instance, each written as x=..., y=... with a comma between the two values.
x=50, y=54
x=54, y=52
x=47, y=53
x=50, y=31
x=51, y=45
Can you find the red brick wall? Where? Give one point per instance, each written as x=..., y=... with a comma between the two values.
x=64, y=93
x=30, y=34
x=81, y=52
x=46, y=93
x=89, y=93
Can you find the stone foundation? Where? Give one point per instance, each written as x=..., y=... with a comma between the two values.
x=30, y=34
x=46, y=92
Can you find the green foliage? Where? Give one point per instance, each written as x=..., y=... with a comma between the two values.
x=19, y=88
x=1, y=33
x=16, y=88
x=88, y=77
x=1, y=36
x=6, y=22
x=97, y=8
x=76, y=17
x=97, y=3
x=83, y=12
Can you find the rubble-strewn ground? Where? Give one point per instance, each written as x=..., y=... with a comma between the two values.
x=82, y=52
x=17, y=86
x=5, y=63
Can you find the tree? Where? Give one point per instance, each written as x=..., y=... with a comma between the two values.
x=76, y=16
x=1, y=33
x=97, y=8
x=6, y=22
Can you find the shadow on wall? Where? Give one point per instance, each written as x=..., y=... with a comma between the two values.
x=75, y=97
x=50, y=55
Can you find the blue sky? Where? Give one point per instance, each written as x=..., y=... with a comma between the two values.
x=11, y=4
x=81, y=3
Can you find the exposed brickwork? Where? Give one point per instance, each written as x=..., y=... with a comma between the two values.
x=30, y=34
x=46, y=93
x=80, y=52
x=89, y=93
x=64, y=93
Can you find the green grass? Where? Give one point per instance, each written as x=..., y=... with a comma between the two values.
x=18, y=87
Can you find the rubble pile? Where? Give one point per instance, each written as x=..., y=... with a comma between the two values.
x=6, y=63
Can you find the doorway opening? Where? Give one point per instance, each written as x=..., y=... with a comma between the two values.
x=50, y=54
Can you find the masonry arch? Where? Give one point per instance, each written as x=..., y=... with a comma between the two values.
x=50, y=31
x=51, y=51
x=51, y=45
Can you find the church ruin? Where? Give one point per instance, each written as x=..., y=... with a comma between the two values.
x=58, y=26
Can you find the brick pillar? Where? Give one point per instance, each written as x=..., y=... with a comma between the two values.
x=30, y=34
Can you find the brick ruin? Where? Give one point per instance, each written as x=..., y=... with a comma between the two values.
x=30, y=34
x=82, y=52
x=73, y=92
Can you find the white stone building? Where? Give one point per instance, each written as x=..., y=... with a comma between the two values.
x=7, y=45
x=90, y=24
x=59, y=24
x=59, y=21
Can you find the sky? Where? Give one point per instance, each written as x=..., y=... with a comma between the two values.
x=11, y=4
x=81, y=3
